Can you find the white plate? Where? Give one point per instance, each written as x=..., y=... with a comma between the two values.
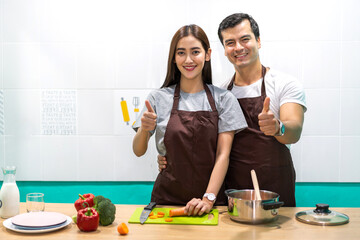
x=38, y=219
x=8, y=224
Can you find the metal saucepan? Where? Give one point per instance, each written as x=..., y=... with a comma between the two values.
x=242, y=206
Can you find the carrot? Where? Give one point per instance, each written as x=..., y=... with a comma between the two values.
x=122, y=229
x=153, y=217
x=168, y=219
x=160, y=216
x=151, y=214
x=177, y=212
x=160, y=213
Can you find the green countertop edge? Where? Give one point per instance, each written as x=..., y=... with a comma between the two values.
x=307, y=194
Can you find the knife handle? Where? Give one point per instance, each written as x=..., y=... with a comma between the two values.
x=150, y=206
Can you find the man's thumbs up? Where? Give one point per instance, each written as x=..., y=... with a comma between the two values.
x=266, y=106
x=268, y=124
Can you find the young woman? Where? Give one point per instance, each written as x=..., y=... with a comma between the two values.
x=194, y=124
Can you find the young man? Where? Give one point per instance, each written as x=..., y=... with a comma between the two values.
x=273, y=104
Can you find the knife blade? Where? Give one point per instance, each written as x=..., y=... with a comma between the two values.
x=145, y=213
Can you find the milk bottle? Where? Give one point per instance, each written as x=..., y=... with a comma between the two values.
x=9, y=194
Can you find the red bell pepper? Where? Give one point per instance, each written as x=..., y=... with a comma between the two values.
x=83, y=199
x=87, y=219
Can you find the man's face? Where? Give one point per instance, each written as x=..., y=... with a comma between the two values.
x=241, y=46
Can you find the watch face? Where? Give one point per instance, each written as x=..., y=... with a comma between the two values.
x=283, y=129
x=211, y=196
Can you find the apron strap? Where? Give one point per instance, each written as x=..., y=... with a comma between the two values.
x=210, y=98
x=263, y=71
x=176, y=97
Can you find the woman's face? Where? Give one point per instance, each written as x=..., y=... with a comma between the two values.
x=190, y=57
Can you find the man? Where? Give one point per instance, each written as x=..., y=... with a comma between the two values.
x=273, y=104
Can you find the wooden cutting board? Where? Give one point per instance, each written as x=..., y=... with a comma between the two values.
x=206, y=219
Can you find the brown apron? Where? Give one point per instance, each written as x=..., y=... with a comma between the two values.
x=190, y=140
x=252, y=149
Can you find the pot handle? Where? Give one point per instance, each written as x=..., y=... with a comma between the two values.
x=271, y=205
x=227, y=191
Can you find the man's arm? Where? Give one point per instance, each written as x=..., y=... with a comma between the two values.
x=292, y=116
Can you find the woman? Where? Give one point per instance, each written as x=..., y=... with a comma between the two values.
x=194, y=124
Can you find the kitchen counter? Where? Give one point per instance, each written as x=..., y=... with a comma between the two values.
x=286, y=227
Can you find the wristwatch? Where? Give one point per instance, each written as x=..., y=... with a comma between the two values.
x=210, y=196
x=281, y=129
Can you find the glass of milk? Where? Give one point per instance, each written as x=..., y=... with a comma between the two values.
x=35, y=202
x=9, y=194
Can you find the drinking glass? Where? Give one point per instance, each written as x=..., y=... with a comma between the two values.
x=35, y=202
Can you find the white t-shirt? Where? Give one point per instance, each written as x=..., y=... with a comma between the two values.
x=280, y=87
x=229, y=110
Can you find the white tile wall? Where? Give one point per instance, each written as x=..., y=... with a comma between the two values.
x=283, y=55
x=350, y=112
x=322, y=61
x=96, y=158
x=320, y=159
x=22, y=112
x=350, y=20
x=350, y=64
x=322, y=116
x=96, y=66
x=24, y=153
x=296, y=154
x=1, y=21
x=221, y=68
x=21, y=20
x=59, y=20
x=57, y=65
x=128, y=167
x=108, y=50
x=95, y=112
x=2, y=153
x=350, y=155
x=59, y=157
x=1, y=62
x=21, y=67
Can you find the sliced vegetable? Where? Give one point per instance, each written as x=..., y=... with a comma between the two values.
x=122, y=229
x=153, y=217
x=160, y=213
x=151, y=214
x=160, y=216
x=168, y=219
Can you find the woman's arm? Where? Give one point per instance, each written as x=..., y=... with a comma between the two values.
x=142, y=136
x=224, y=143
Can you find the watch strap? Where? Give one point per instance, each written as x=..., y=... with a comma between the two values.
x=281, y=131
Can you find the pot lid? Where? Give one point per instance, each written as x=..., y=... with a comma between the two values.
x=322, y=216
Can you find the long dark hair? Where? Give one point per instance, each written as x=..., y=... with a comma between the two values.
x=173, y=74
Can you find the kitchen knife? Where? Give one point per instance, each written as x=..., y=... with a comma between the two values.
x=145, y=213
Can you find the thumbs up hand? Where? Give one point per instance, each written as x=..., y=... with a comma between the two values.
x=148, y=119
x=269, y=125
